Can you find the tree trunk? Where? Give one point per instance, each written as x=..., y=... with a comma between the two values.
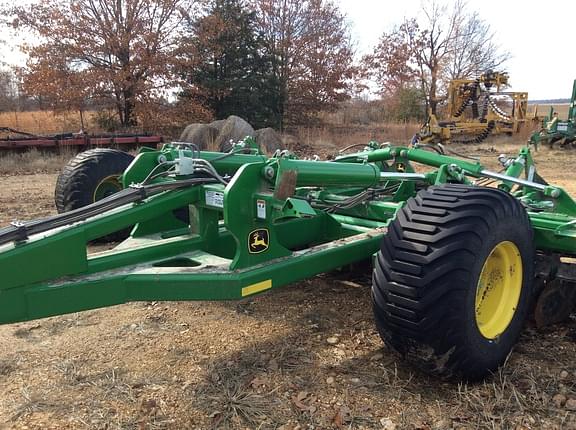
x=282, y=102
x=128, y=108
x=432, y=94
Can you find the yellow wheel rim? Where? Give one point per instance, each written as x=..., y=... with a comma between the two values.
x=498, y=290
x=106, y=187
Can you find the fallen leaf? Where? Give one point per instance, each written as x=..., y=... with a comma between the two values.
x=302, y=401
x=257, y=382
x=341, y=417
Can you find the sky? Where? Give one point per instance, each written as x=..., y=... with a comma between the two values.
x=541, y=36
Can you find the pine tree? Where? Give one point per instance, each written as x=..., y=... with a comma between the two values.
x=232, y=72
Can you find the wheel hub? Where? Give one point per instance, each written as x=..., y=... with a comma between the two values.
x=498, y=289
x=107, y=187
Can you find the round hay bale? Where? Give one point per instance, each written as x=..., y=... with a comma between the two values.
x=218, y=124
x=234, y=129
x=186, y=132
x=202, y=135
x=269, y=140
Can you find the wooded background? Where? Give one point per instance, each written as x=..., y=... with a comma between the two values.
x=276, y=63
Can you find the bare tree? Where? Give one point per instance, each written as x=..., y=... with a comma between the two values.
x=9, y=96
x=443, y=43
x=312, y=50
x=475, y=49
x=119, y=50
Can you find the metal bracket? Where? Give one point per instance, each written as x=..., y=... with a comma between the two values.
x=21, y=231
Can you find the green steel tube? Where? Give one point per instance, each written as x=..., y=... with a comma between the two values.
x=417, y=155
x=317, y=173
x=231, y=163
x=362, y=222
x=437, y=160
x=367, y=156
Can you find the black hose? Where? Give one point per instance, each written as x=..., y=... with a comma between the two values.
x=22, y=231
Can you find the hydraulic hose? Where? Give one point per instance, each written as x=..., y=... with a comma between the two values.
x=21, y=231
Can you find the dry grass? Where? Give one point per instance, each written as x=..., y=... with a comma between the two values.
x=562, y=109
x=233, y=401
x=6, y=367
x=33, y=161
x=31, y=402
x=326, y=141
x=329, y=139
x=44, y=122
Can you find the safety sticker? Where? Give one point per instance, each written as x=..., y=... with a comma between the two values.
x=215, y=198
x=261, y=209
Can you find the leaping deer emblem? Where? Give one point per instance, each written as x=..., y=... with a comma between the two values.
x=258, y=241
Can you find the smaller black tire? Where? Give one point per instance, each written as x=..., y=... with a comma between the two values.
x=452, y=284
x=89, y=177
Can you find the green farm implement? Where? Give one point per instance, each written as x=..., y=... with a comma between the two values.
x=555, y=130
x=460, y=252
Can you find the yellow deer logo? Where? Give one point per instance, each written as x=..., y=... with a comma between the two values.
x=258, y=241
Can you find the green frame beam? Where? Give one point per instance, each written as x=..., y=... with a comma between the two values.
x=272, y=222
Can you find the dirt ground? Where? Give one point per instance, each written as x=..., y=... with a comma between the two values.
x=304, y=357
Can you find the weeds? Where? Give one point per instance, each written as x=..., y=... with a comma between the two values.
x=33, y=161
x=232, y=400
x=291, y=358
x=56, y=326
x=26, y=332
x=32, y=402
x=330, y=139
x=70, y=371
x=511, y=398
x=35, y=332
x=112, y=384
x=6, y=367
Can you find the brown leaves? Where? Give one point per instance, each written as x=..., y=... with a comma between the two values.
x=314, y=52
x=393, y=63
x=304, y=401
x=342, y=417
x=257, y=382
x=119, y=53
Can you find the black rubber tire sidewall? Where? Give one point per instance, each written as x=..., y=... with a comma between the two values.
x=81, y=176
x=487, y=353
x=78, y=180
x=433, y=325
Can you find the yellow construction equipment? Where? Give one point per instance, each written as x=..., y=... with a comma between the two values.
x=476, y=109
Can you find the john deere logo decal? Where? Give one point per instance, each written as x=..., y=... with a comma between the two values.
x=258, y=241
